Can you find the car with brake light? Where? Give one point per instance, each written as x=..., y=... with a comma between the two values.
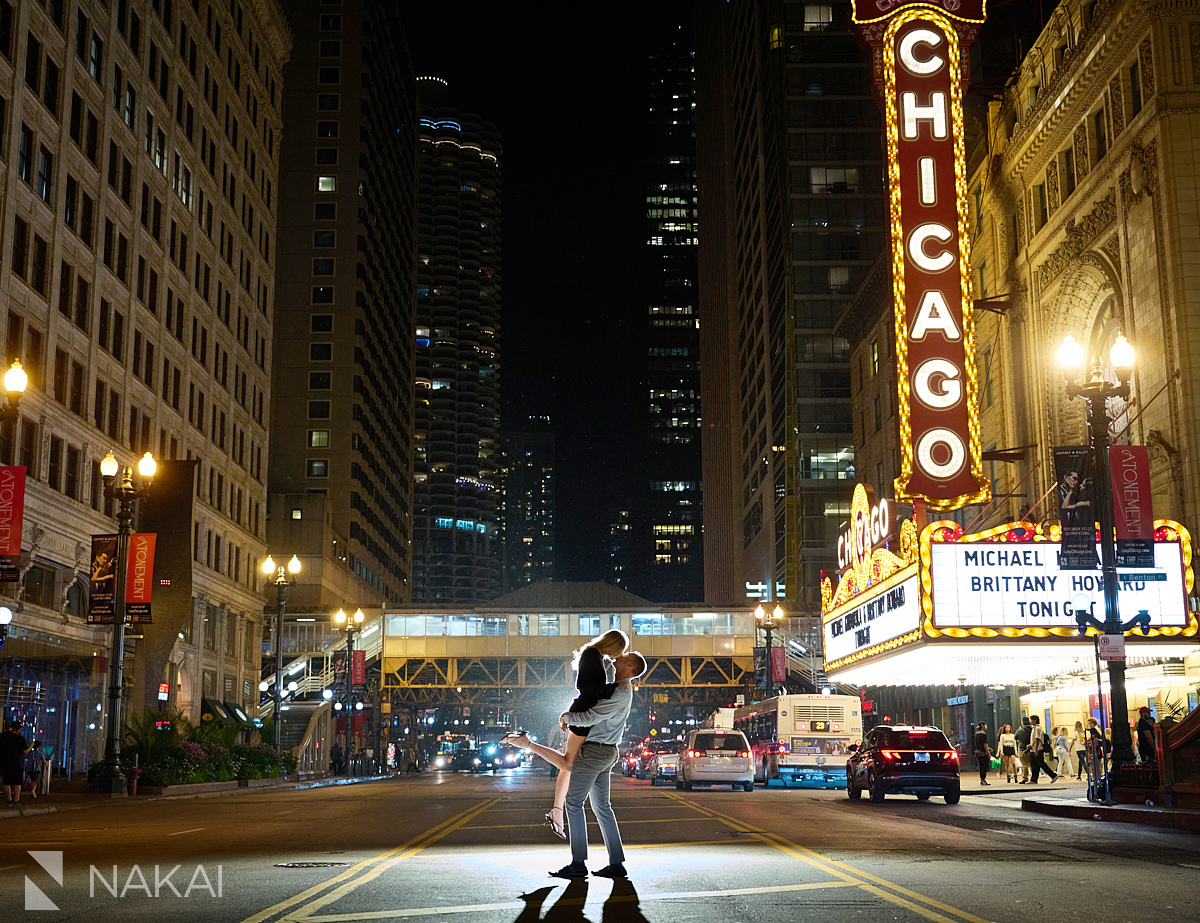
x=904, y=760
x=663, y=765
x=715, y=757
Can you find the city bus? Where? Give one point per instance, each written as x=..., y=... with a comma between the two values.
x=801, y=740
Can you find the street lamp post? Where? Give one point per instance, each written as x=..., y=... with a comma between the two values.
x=282, y=582
x=15, y=382
x=1096, y=391
x=350, y=624
x=111, y=780
x=769, y=621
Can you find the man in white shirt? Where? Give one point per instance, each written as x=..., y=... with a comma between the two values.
x=590, y=773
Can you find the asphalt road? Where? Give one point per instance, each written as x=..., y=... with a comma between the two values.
x=473, y=849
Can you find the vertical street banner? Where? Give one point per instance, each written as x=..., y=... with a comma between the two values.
x=778, y=664
x=358, y=671
x=139, y=577
x=102, y=586
x=760, y=667
x=1076, y=508
x=1133, y=505
x=12, y=519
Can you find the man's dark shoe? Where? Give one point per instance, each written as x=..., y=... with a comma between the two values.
x=612, y=871
x=571, y=871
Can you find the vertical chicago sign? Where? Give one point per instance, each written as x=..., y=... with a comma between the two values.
x=919, y=52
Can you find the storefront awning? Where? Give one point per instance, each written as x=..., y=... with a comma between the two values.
x=213, y=711
x=240, y=718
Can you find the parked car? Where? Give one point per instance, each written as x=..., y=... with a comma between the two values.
x=715, y=757
x=663, y=766
x=904, y=760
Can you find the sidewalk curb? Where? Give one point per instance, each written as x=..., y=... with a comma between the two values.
x=98, y=801
x=1166, y=818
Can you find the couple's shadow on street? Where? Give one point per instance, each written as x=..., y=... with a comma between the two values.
x=620, y=907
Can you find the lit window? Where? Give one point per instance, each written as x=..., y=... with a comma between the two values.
x=318, y=468
x=326, y=184
x=318, y=438
x=296, y=514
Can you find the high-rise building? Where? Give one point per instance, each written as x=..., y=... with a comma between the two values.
x=141, y=143
x=342, y=421
x=673, y=468
x=529, y=501
x=791, y=181
x=456, y=547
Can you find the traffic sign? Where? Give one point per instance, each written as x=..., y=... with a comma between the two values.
x=1144, y=577
x=1111, y=647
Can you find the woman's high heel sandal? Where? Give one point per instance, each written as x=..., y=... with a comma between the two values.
x=558, y=826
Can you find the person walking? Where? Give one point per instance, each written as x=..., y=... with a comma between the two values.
x=1006, y=744
x=983, y=752
x=1023, y=748
x=591, y=772
x=1039, y=746
x=335, y=759
x=13, y=748
x=35, y=766
x=1062, y=750
x=1079, y=750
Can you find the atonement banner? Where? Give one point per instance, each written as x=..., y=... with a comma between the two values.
x=1076, y=510
x=1133, y=505
x=139, y=577
x=12, y=516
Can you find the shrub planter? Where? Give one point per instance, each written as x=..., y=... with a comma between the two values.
x=259, y=783
x=196, y=788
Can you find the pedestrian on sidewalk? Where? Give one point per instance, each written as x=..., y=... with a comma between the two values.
x=1147, y=750
x=1023, y=748
x=35, y=765
x=983, y=752
x=1062, y=750
x=13, y=748
x=1079, y=748
x=1039, y=746
x=335, y=759
x=1006, y=743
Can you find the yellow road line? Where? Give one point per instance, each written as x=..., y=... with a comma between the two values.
x=850, y=873
x=388, y=860
x=443, y=828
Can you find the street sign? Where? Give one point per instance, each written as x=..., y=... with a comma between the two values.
x=1111, y=647
x=1146, y=577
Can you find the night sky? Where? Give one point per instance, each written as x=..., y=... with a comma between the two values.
x=565, y=92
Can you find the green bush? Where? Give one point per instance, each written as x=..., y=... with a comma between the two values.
x=185, y=753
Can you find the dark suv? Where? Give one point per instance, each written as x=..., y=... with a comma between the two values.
x=903, y=761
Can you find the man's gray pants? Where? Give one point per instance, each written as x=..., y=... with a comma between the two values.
x=590, y=778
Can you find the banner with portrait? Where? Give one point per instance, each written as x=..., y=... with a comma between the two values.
x=1076, y=498
x=102, y=585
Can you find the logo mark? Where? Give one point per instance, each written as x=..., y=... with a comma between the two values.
x=52, y=863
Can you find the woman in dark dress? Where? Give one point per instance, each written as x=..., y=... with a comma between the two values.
x=12, y=762
x=592, y=684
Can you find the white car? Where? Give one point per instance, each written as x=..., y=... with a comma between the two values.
x=716, y=757
x=662, y=767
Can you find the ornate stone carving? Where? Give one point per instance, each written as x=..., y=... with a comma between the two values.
x=1146, y=70
x=1082, y=161
x=1194, y=49
x=1079, y=236
x=1111, y=248
x=1052, y=187
x=1116, y=103
x=1021, y=224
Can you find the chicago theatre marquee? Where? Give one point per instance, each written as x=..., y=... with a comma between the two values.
x=990, y=606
